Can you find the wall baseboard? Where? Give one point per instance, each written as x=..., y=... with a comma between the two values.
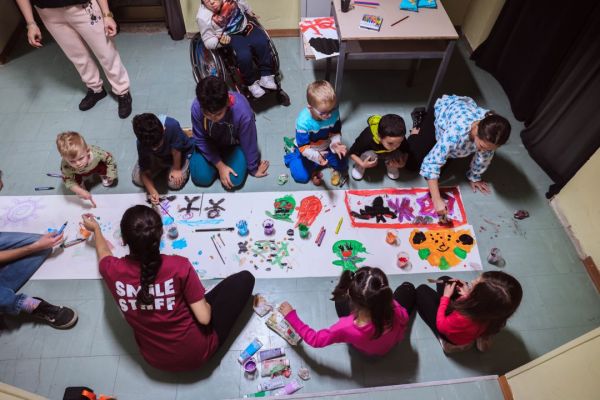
x=593, y=271
x=284, y=32
x=12, y=41
x=505, y=387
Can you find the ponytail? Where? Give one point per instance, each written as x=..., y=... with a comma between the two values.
x=368, y=289
x=341, y=290
x=141, y=228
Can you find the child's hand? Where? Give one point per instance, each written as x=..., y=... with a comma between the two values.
x=285, y=308
x=339, y=149
x=449, y=288
x=85, y=195
x=34, y=35
x=224, y=171
x=440, y=206
x=154, y=197
x=369, y=163
x=262, y=169
x=89, y=222
x=481, y=186
x=177, y=176
x=48, y=241
x=323, y=161
x=463, y=287
x=110, y=27
x=225, y=39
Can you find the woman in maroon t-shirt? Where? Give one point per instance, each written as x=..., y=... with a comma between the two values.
x=177, y=326
x=460, y=314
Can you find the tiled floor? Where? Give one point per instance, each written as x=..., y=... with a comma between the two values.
x=39, y=93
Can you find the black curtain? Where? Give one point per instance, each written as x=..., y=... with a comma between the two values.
x=546, y=56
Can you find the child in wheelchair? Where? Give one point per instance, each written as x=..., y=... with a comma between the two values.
x=225, y=22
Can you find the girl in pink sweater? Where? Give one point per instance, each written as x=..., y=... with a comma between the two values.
x=372, y=318
x=461, y=314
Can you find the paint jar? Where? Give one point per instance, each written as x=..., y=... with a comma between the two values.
x=303, y=231
x=403, y=261
x=242, y=227
x=495, y=258
x=282, y=179
x=172, y=232
x=250, y=366
x=391, y=237
x=269, y=227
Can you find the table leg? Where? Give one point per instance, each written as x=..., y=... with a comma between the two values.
x=415, y=64
x=440, y=73
x=339, y=72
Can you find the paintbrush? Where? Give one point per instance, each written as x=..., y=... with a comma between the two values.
x=216, y=248
x=214, y=229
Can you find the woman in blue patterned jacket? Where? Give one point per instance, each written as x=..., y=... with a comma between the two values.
x=460, y=128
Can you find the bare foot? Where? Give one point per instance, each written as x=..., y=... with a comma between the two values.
x=317, y=179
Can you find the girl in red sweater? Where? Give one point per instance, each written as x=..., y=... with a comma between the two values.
x=372, y=317
x=460, y=314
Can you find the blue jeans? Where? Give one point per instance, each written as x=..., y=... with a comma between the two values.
x=204, y=173
x=14, y=274
x=301, y=168
x=255, y=42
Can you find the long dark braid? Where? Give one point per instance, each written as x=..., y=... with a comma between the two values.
x=141, y=228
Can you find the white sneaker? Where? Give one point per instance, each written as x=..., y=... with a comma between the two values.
x=358, y=173
x=268, y=82
x=256, y=90
x=393, y=173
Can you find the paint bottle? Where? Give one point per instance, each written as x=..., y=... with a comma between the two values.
x=273, y=366
x=242, y=227
x=262, y=393
x=269, y=227
x=250, y=350
x=290, y=388
x=495, y=258
x=391, y=237
x=403, y=260
x=272, y=384
x=303, y=230
x=172, y=232
x=271, y=353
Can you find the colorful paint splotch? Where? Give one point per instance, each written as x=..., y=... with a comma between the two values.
x=21, y=211
x=309, y=209
x=179, y=244
x=442, y=248
x=348, y=251
x=283, y=208
x=270, y=251
x=402, y=208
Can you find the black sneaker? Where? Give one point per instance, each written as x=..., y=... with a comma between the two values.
x=418, y=115
x=124, y=105
x=56, y=316
x=91, y=99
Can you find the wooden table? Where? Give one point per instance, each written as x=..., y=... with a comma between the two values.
x=428, y=33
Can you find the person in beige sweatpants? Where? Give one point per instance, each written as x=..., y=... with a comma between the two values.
x=77, y=25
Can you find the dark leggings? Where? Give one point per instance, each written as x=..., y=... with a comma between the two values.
x=419, y=145
x=404, y=294
x=227, y=301
x=428, y=302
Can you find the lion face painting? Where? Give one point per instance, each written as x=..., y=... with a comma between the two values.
x=442, y=248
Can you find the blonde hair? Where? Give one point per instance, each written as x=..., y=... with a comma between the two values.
x=70, y=144
x=320, y=93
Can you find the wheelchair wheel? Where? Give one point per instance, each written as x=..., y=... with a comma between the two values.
x=204, y=61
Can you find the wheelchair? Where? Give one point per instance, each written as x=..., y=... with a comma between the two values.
x=222, y=63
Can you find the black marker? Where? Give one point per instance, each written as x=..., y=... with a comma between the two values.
x=37, y=189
